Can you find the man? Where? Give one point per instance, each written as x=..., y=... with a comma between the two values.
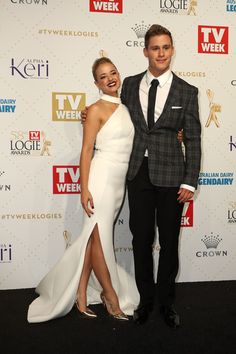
x=160, y=177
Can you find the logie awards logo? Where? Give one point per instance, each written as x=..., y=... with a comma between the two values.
x=32, y=143
x=178, y=7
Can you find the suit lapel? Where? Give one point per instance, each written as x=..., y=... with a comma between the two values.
x=136, y=102
x=170, y=98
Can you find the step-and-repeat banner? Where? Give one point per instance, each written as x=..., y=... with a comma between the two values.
x=47, y=50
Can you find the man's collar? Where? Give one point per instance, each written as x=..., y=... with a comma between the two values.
x=162, y=78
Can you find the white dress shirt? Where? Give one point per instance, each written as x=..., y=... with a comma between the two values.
x=165, y=81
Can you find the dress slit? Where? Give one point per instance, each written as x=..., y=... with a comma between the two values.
x=97, y=235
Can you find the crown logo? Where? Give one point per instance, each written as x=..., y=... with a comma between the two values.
x=1, y=173
x=211, y=241
x=140, y=30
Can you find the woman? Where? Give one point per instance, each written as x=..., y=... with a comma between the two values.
x=88, y=272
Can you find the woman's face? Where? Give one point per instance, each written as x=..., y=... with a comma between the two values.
x=108, y=79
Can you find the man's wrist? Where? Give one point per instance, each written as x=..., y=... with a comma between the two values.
x=186, y=186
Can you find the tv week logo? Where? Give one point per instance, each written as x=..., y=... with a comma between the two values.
x=213, y=39
x=113, y=6
x=66, y=106
x=187, y=216
x=34, y=135
x=66, y=180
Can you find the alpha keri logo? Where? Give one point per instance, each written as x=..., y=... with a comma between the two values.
x=66, y=106
x=213, y=39
x=66, y=180
x=112, y=6
x=5, y=253
x=30, y=68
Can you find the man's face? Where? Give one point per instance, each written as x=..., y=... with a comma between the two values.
x=159, y=54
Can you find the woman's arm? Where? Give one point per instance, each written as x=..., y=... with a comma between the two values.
x=90, y=130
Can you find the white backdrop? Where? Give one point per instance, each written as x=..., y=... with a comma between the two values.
x=47, y=50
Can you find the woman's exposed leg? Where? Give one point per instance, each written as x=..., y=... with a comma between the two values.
x=94, y=259
x=82, y=288
x=102, y=273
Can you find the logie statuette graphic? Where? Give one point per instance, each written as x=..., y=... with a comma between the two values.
x=214, y=107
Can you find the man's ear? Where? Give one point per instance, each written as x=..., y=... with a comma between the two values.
x=145, y=52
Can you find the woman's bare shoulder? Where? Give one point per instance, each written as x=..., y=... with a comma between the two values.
x=95, y=108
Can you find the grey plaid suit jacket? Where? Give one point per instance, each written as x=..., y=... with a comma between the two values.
x=168, y=167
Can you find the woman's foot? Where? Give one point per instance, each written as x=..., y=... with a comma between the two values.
x=86, y=312
x=113, y=308
x=81, y=305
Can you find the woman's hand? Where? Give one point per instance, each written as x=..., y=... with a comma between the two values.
x=87, y=202
x=180, y=136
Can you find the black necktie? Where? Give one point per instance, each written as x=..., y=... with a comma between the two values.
x=151, y=103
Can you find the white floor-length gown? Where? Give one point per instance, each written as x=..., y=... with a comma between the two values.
x=57, y=290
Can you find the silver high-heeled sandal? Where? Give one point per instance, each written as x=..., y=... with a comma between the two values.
x=85, y=314
x=117, y=316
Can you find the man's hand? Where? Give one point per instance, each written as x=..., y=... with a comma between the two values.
x=83, y=114
x=184, y=195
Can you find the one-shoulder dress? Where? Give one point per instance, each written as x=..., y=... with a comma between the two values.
x=57, y=290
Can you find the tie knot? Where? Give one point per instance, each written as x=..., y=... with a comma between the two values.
x=154, y=82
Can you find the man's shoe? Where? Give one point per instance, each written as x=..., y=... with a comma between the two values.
x=142, y=313
x=170, y=316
